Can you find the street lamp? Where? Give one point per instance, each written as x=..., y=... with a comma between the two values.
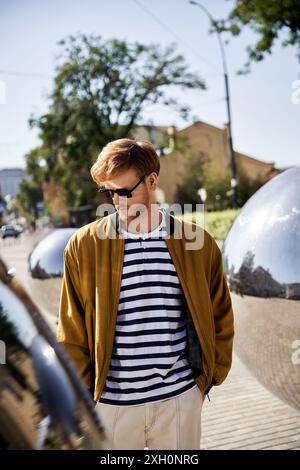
x=229, y=135
x=203, y=194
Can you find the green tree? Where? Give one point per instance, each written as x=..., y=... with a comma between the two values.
x=187, y=191
x=100, y=90
x=247, y=187
x=30, y=193
x=269, y=19
x=217, y=185
x=201, y=172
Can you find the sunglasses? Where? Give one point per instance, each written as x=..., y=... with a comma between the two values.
x=120, y=191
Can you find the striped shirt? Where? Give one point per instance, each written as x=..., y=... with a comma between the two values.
x=149, y=359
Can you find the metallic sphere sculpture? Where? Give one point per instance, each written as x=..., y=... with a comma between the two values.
x=46, y=265
x=43, y=401
x=261, y=257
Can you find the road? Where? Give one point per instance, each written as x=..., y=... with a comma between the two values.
x=15, y=253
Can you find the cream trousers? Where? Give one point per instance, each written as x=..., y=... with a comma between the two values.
x=171, y=424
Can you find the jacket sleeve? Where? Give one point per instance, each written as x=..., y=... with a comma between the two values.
x=71, y=331
x=223, y=317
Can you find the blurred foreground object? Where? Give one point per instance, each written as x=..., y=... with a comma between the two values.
x=43, y=402
x=261, y=256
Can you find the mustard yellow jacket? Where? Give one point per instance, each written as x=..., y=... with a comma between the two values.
x=90, y=291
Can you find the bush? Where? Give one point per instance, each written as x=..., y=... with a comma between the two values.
x=217, y=223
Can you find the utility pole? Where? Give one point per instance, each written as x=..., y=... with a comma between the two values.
x=232, y=162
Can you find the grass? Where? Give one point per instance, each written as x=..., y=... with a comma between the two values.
x=216, y=223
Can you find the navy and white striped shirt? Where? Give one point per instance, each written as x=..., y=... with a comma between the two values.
x=149, y=359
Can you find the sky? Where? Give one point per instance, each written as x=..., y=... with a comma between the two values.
x=265, y=121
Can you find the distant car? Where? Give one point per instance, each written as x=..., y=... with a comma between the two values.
x=9, y=231
x=19, y=228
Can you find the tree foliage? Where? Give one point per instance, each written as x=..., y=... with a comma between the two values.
x=269, y=19
x=201, y=172
x=101, y=89
x=187, y=191
x=30, y=194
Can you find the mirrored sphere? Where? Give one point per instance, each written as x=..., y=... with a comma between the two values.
x=46, y=264
x=43, y=401
x=261, y=258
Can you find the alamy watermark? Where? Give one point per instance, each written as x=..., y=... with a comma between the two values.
x=296, y=354
x=133, y=217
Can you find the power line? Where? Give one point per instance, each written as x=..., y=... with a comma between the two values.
x=25, y=74
x=206, y=103
x=16, y=142
x=178, y=38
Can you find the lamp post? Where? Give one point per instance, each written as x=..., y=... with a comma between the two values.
x=233, y=180
x=203, y=194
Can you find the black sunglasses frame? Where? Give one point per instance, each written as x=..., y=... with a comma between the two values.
x=120, y=191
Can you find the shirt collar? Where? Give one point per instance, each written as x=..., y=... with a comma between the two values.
x=167, y=218
x=158, y=232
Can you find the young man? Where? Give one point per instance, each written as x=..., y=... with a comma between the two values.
x=145, y=313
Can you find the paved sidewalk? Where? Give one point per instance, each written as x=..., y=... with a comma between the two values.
x=242, y=414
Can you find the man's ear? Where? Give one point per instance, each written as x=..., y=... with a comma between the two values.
x=153, y=181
